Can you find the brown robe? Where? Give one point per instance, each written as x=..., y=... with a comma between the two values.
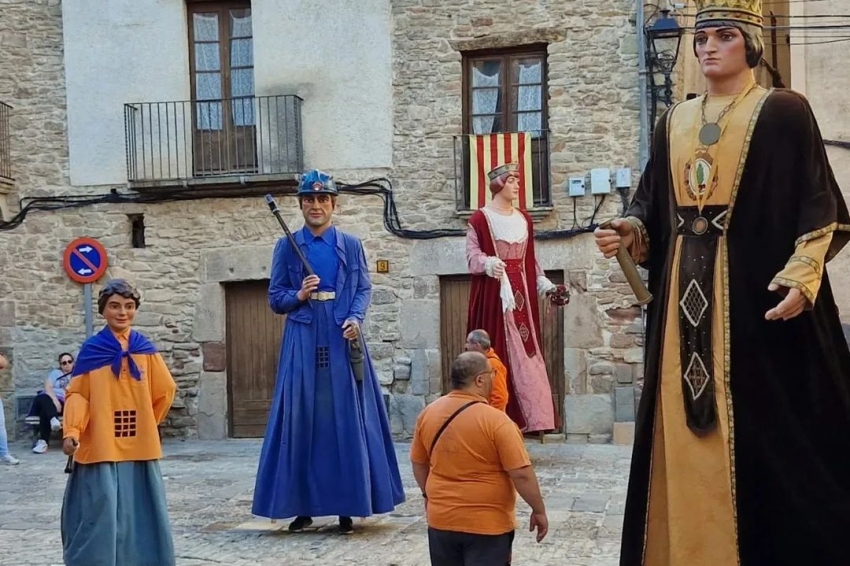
x=738, y=454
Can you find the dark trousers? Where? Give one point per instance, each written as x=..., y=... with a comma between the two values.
x=44, y=408
x=450, y=548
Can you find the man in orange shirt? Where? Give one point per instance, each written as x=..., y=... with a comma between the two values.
x=479, y=341
x=114, y=512
x=469, y=460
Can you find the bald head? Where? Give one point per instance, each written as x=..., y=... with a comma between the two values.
x=467, y=367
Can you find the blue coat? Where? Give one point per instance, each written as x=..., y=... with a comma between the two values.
x=353, y=285
x=328, y=448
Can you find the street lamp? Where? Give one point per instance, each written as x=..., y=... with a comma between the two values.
x=665, y=37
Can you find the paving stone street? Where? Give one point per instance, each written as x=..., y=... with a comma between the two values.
x=209, y=486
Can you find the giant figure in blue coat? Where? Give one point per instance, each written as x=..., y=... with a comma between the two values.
x=328, y=450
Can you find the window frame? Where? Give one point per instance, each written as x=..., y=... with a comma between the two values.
x=226, y=144
x=222, y=8
x=539, y=146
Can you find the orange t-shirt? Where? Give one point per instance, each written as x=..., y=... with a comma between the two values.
x=115, y=418
x=469, y=489
x=499, y=395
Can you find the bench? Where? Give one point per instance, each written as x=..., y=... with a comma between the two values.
x=23, y=403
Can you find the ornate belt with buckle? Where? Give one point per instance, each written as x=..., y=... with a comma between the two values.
x=323, y=296
x=693, y=222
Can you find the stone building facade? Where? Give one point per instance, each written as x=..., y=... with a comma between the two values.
x=815, y=61
x=386, y=100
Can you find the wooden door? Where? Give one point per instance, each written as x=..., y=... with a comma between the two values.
x=254, y=335
x=454, y=305
x=552, y=331
x=222, y=76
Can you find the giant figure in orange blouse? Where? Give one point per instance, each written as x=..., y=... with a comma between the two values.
x=114, y=512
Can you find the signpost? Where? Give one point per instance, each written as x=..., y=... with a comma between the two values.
x=85, y=262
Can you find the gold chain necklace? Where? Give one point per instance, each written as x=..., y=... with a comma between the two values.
x=710, y=132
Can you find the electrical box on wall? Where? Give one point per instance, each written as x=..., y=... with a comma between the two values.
x=623, y=178
x=575, y=186
x=600, y=181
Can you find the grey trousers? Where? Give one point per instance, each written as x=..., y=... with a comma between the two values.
x=450, y=548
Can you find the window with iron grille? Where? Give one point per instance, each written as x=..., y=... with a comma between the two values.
x=506, y=91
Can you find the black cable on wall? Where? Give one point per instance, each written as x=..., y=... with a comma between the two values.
x=380, y=186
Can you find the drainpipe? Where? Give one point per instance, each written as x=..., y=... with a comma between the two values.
x=643, y=143
x=640, y=24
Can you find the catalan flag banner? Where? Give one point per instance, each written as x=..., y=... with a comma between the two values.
x=486, y=152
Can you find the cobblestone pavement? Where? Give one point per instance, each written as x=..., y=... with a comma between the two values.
x=209, y=486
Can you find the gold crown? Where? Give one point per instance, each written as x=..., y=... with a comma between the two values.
x=502, y=169
x=745, y=11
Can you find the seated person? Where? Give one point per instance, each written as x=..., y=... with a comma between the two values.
x=48, y=404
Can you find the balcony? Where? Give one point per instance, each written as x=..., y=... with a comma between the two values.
x=6, y=180
x=475, y=155
x=248, y=141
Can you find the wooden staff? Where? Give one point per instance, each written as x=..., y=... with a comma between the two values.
x=276, y=211
x=627, y=264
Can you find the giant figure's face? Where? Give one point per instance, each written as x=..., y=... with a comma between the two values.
x=722, y=51
x=317, y=210
x=510, y=191
x=119, y=312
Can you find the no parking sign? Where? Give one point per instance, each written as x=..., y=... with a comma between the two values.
x=85, y=262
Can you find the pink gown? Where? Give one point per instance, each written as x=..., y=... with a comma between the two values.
x=527, y=371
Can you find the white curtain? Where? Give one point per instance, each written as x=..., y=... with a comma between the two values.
x=530, y=97
x=485, y=101
x=242, y=80
x=207, y=72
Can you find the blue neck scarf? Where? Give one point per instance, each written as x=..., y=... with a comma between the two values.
x=104, y=349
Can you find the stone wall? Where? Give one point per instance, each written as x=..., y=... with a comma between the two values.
x=593, y=105
x=815, y=72
x=31, y=80
x=593, y=118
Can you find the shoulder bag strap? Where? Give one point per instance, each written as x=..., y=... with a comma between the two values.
x=446, y=424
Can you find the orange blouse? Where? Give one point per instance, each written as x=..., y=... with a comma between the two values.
x=115, y=419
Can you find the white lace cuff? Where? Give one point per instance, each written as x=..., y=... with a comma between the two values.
x=544, y=285
x=490, y=264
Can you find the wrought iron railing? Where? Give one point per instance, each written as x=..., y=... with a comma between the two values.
x=540, y=173
x=183, y=140
x=5, y=142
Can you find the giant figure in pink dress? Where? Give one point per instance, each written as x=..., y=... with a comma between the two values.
x=506, y=280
